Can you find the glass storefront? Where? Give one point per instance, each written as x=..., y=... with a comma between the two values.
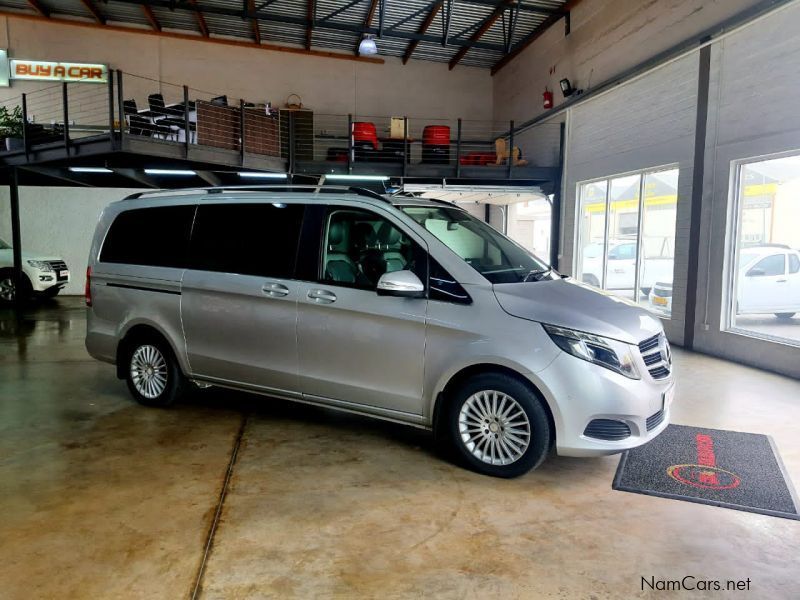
x=626, y=237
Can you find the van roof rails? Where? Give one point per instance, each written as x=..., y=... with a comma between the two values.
x=316, y=189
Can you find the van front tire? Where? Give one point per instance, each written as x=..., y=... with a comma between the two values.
x=498, y=425
x=152, y=373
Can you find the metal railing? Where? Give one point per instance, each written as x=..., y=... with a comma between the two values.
x=311, y=142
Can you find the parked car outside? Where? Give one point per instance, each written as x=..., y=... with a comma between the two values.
x=768, y=282
x=621, y=269
x=42, y=275
x=404, y=309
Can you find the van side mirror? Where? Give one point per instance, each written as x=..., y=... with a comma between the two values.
x=403, y=284
x=756, y=272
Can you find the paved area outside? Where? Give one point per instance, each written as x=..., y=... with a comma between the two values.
x=787, y=329
x=102, y=498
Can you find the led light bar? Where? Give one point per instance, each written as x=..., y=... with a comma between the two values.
x=169, y=172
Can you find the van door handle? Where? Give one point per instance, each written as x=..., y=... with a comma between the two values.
x=275, y=290
x=321, y=296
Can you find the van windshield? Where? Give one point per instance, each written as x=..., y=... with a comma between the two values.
x=487, y=251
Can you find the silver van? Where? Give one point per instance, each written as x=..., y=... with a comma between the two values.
x=398, y=308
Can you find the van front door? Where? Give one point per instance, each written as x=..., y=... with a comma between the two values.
x=354, y=346
x=239, y=301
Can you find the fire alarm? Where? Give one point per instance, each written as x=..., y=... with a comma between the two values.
x=547, y=99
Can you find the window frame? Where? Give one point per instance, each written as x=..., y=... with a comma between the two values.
x=577, y=258
x=318, y=226
x=733, y=251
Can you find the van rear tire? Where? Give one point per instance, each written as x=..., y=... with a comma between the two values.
x=498, y=426
x=153, y=374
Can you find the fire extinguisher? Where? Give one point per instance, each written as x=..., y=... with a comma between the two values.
x=547, y=99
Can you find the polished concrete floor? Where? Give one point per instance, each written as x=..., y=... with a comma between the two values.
x=102, y=498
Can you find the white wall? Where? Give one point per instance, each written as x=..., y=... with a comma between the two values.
x=331, y=86
x=59, y=221
x=606, y=38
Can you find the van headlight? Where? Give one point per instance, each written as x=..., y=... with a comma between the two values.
x=40, y=264
x=602, y=351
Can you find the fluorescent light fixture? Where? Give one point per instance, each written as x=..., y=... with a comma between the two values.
x=367, y=47
x=169, y=172
x=90, y=170
x=257, y=175
x=340, y=177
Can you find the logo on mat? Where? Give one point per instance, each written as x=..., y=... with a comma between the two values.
x=705, y=474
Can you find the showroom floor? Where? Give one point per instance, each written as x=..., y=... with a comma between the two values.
x=103, y=498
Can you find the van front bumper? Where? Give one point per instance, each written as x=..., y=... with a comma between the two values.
x=581, y=393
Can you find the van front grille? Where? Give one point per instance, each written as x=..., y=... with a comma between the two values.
x=607, y=429
x=649, y=344
x=657, y=356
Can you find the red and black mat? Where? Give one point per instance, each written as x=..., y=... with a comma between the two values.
x=731, y=469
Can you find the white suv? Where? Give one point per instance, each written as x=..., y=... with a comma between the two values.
x=42, y=275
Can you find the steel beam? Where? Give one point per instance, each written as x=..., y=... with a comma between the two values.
x=485, y=26
x=437, y=6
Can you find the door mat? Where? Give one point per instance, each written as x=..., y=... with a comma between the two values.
x=742, y=471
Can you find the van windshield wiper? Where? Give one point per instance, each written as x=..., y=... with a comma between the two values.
x=537, y=274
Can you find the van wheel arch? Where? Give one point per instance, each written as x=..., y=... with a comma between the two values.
x=446, y=395
x=138, y=333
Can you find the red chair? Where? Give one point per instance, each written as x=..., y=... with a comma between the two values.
x=436, y=144
x=365, y=134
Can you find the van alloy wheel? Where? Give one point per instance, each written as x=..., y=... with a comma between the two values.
x=494, y=427
x=149, y=371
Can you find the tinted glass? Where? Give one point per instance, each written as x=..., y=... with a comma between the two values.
x=772, y=265
x=250, y=239
x=486, y=250
x=156, y=237
x=360, y=246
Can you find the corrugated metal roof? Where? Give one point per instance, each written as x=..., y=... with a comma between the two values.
x=337, y=24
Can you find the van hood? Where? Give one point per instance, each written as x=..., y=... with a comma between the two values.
x=575, y=305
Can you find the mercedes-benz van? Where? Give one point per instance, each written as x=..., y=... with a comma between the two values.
x=399, y=308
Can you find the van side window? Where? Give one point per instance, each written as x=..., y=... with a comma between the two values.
x=157, y=237
x=249, y=239
x=360, y=246
x=444, y=287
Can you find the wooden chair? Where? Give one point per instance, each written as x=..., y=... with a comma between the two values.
x=501, y=151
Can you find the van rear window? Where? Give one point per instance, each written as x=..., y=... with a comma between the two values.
x=157, y=237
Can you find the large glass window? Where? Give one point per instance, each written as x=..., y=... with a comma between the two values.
x=765, y=269
x=249, y=239
x=157, y=237
x=626, y=236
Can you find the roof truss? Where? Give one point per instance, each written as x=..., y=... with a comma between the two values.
x=485, y=30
